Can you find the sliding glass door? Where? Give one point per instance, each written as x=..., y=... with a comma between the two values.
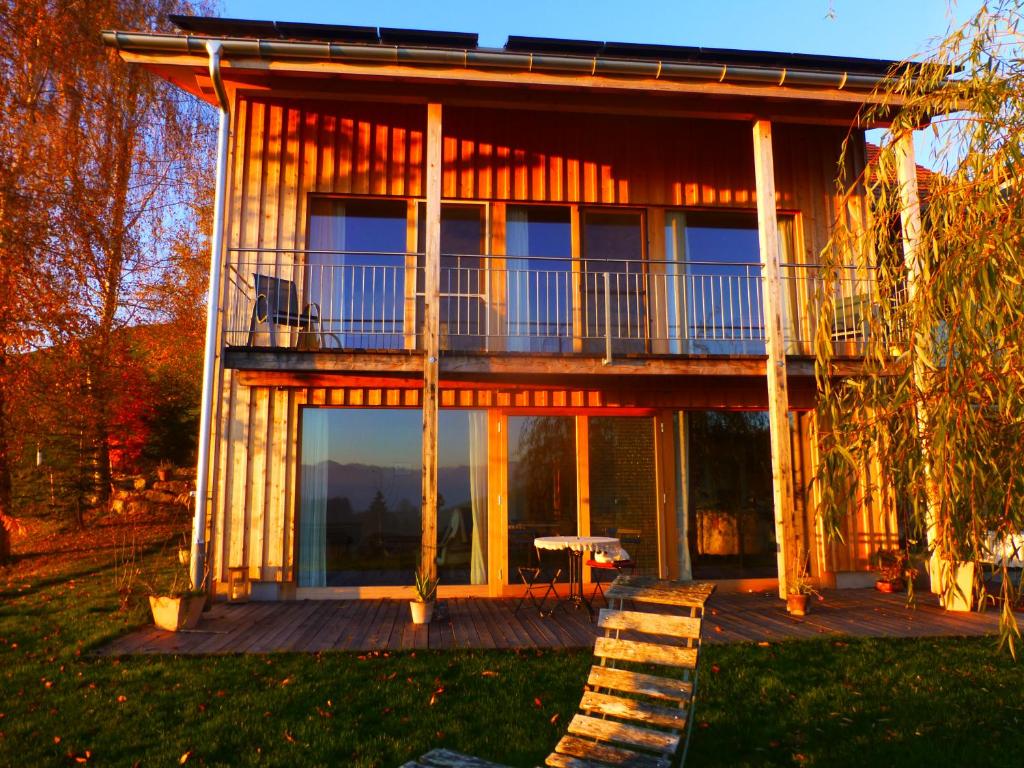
x=538, y=278
x=359, y=511
x=727, y=472
x=614, y=280
x=541, y=487
x=355, y=272
x=463, y=276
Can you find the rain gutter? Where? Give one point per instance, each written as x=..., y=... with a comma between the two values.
x=145, y=42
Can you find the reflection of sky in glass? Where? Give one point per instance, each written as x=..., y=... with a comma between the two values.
x=369, y=225
x=722, y=244
x=391, y=437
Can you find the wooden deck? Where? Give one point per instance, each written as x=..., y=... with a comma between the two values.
x=361, y=625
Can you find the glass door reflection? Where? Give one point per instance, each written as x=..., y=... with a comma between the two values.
x=541, y=488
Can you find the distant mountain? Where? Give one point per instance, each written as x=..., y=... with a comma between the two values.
x=360, y=483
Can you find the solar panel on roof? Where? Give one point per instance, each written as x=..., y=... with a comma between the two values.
x=553, y=45
x=293, y=30
x=328, y=32
x=210, y=25
x=392, y=36
x=214, y=26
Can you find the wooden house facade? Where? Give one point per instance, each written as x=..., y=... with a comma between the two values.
x=466, y=297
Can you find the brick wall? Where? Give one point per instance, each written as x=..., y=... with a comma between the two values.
x=622, y=484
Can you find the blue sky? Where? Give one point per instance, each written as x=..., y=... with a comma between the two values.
x=871, y=28
x=883, y=29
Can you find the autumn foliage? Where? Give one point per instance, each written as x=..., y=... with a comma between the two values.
x=104, y=202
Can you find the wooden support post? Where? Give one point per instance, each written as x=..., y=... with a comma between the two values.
x=910, y=221
x=778, y=395
x=431, y=340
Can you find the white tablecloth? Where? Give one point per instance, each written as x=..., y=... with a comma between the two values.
x=596, y=544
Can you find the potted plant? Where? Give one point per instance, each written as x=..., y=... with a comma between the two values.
x=422, y=608
x=163, y=470
x=800, y=590
x=893, y=569
x=173, y=601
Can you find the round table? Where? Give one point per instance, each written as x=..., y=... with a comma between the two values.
x=576, y=546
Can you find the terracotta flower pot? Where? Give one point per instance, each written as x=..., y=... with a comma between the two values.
x=174, y=613
x=796, y=605
x=883, y=585
x=421, y=612
x=162, y=475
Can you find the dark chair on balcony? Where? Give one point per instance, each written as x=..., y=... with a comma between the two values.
x=276, y=305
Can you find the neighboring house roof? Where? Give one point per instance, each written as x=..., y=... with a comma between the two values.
x=925, y=176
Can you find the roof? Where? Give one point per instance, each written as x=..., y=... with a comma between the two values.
x=924, y=175
x=334, y=33
x=418, y=65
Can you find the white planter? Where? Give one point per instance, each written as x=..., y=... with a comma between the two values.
x=421, y=612
x=174, y=613
x=956, y=590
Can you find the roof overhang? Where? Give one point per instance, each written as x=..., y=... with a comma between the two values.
x=275, y=66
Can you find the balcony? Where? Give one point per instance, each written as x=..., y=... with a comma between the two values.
x=331, y=301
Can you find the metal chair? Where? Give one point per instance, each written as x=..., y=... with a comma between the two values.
x=536, y=578
x=277, y=303
x=625, y=536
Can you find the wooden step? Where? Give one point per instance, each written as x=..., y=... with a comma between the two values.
x=640, y=683
x=631, y=709
x=627, y=735
x=645, y=653
x=572, y=752
x=650, y=623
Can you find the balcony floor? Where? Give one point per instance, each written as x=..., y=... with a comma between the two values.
x=362, y=625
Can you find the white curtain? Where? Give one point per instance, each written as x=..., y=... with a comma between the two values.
x=313, y=509
x=677, y=291
x=517, y=278
x=326, y=280
x=478, y=495
x=792, y=287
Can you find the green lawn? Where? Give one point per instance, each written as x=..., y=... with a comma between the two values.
x=826, y=703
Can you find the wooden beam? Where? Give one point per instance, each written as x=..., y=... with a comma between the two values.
x=431, y=340
x=910, y=221
x=398, y=362
x=778, y=394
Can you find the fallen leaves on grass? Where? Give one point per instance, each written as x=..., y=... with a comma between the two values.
x=184, y=758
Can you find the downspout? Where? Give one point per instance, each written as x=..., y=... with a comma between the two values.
x=197, y=571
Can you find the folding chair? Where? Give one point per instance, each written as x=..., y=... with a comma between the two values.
x=625, y=536
x=535, y=579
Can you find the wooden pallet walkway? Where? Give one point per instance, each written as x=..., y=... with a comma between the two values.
x=362, y=625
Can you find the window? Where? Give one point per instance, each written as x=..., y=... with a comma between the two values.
x=463, y=320
x=614, y=280
x=713, y=282
x=538, y=279
x=359, y=491
x=356, y=271
x=462, y=497
x=541, y=488
x=623, y=502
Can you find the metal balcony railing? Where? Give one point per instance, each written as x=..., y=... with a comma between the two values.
x=332, y=300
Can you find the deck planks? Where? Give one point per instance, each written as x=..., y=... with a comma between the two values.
x=363, y=625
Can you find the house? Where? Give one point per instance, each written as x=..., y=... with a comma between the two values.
x=463, y=296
